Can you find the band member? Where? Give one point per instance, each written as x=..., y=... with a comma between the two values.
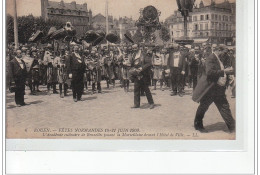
x=214, y=91
x=127, y=59
x=30, y=63
x=77, y=69
x=97, y=73
x=177, y=66
x=62, y=71
x=105, y=67
x=51, y=73
x=18, y=75
x=35, y=72
x=111, y=68
x=157, y=61
x=141, y=65
x=88, y=70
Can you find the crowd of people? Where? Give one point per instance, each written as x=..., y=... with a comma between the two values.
x=175, y=67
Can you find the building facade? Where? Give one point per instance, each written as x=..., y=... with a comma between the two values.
x=77, y=14
x=99, y=22
x=214, y=23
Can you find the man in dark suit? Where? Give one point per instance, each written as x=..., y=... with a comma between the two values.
x=143, y=65
x=177, y=66
x=216, y=93
x=18, y=74
x=77, y=68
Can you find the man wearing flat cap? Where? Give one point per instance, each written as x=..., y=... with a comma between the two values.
x=212, y=89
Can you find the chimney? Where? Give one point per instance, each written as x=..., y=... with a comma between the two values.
x=85, y=6
x=73, y=3
x=201, y=4
x=62, y=3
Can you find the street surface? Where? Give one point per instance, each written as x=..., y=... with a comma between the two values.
x=109, y=116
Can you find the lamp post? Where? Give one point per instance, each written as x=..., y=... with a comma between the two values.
x=15, y=26
x=185, y=6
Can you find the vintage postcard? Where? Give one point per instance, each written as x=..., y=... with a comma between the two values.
x=121, y=69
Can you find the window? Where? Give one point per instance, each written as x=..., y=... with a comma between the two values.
x=230, y=19
x=212, y=25
x=219, y=17
x=190, y=18
x=207, y=33
x=201, y=17
x=220, y=26
x=216, y=17
x=201, y=26
x=207, y=17
x=172, y=33
x=206, y=26
x=201, y=34
x=195, y=18
x=196, y=27
x=212, y=16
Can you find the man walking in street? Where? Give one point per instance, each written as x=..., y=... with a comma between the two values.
x=140, y=75
x=212, y=89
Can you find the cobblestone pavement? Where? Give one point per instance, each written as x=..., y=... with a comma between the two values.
x=109, y=115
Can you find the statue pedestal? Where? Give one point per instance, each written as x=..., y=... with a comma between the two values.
x=184, y=41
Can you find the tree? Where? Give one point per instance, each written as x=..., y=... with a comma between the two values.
x=27, y=25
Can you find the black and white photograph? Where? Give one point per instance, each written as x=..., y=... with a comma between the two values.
x=121, y=69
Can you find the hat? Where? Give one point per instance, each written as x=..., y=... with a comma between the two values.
x=135, y=46
x=24, y=48
x=214, y=45
x=188, y=46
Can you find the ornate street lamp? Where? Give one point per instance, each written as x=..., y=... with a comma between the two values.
x=185, y=7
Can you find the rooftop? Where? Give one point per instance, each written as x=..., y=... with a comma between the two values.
x=67, y=6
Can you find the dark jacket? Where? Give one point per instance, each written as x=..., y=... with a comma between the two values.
x=207, y=83
x=17, y=73
x=74, y=65
x=182, y=61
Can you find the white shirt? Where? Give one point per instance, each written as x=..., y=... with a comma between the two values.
x=176, y=57
x=20, y=62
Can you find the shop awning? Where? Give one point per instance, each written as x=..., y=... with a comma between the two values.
x=200, y=40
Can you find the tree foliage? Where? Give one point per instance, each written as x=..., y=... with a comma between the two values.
x=28, y=25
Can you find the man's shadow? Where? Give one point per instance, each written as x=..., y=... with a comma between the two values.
x=89, y=98
x=28, y=104
x=147, y=106
x=220, y=126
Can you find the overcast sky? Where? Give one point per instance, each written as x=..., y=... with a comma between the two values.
x=116, y=7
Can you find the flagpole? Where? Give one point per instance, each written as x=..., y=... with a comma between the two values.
x=107, y=18
x=16, y=42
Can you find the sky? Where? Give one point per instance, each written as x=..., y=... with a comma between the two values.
x=117, y=8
